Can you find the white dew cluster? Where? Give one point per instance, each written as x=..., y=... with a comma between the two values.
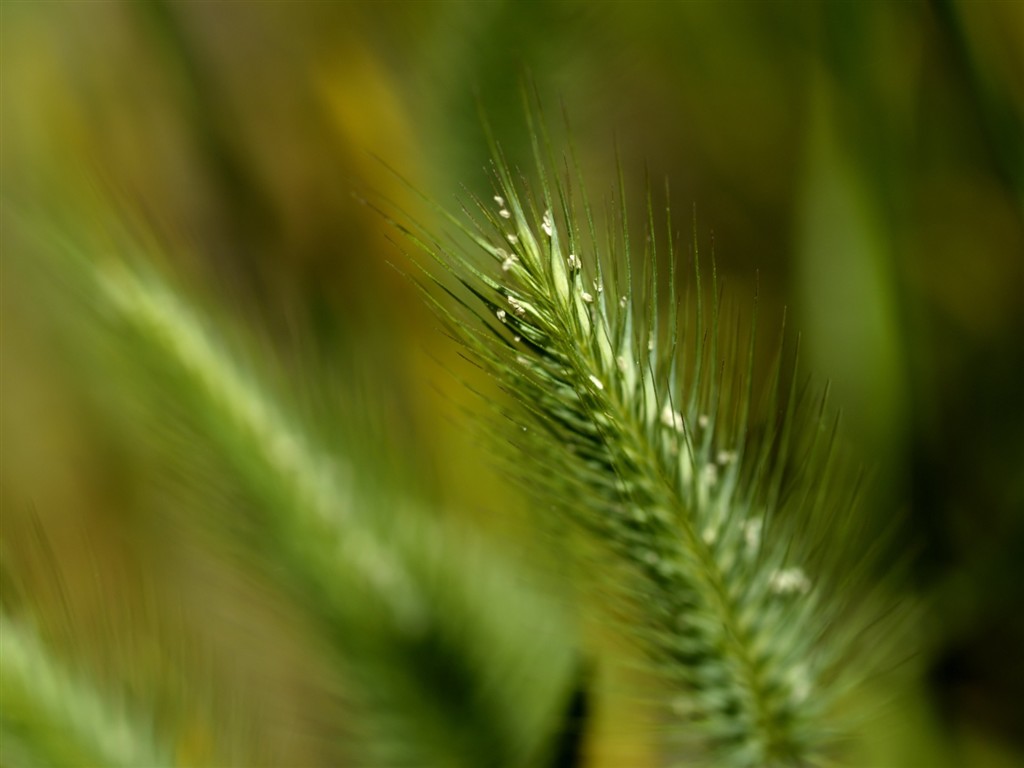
x=587, y=297
x=788, y=581
x=508, y=260
x=725, y=458
x=548, y=224
x=672, y=418
x=752, y=532
x=710, y=475
x=517, y=306
x=799, y=683
x=574, y=262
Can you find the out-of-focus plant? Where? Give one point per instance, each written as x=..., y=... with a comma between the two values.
x=441, y=653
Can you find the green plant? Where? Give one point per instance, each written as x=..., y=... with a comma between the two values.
x=631, y=419
x=714, y=527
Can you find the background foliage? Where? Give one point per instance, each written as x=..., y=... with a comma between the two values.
x=862, y=162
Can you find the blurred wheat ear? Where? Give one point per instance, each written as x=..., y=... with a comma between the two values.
x=631, y=418
x=433, y=649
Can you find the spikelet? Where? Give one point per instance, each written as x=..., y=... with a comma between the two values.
x=631, y=418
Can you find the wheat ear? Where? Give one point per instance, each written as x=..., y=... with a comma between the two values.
x=630, y=415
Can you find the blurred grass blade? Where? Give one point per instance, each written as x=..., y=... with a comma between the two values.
x=445, y=654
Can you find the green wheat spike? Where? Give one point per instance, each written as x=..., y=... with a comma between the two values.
x=631, y=419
